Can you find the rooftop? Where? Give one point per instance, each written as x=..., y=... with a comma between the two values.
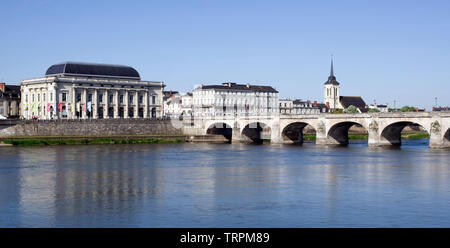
x=356, y=101
x=241, y=87
x=93, y=70
x=332, y=79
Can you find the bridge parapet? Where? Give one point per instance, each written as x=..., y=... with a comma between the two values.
x=382, y=128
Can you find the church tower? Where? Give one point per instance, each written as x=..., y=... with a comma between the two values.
x=331, y=94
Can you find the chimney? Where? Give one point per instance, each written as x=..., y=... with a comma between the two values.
x=2, y=86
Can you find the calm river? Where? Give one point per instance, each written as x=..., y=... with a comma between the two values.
x=224, y=185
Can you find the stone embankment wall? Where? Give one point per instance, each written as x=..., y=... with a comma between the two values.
x=90, y=127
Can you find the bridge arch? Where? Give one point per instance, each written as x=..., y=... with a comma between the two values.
x=293, y=132
x=447, y=137
x=221, y=128
x=338, y=132
x=256, y=132
x=391, y=134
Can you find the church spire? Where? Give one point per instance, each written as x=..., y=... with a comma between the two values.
x=332, y=78
x=331, y=71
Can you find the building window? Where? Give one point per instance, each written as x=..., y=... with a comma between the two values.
x=26, y=98
x=64, y=96
x=32, y=97
x=43, y=96
x=90, y=98
x=140, y=99
x=121, y=98
x=78, y=97
x=110, y=98
x=51, y=96
x=131, y=98
x=100, y=98
x=153, y=99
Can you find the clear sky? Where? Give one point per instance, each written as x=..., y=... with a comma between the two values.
x=383, y=50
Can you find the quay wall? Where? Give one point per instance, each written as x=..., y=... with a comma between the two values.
x=88, y=127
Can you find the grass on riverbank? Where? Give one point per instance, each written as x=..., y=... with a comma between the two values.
x=46, y=142
x=420, y=135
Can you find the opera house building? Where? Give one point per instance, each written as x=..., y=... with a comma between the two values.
x=84, y=90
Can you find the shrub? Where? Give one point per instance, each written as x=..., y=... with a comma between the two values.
x=351, y=110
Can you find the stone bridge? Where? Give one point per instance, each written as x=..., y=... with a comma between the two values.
x=331, y=129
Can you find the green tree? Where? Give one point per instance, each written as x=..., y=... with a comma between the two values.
x=374, y=110
x=337, y=111
x=351, y=110
x=407, y=109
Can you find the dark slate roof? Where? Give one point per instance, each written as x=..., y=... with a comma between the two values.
x=298, y=101
x=169, y=92
x=356, y=101
x=91, y=69
x=241, y=87
x=332, y=78
x=12, y=91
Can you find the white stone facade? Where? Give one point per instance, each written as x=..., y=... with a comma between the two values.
x=299, y=107
x=231, y=99
x=331, y=96
x=74, y=97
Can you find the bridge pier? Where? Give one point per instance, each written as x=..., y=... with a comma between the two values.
x=439, y=137
x=321, y=134
x=275, y=134
x=236, y=136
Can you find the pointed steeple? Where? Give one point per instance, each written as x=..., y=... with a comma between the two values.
x=331, y=71
x=332, y=78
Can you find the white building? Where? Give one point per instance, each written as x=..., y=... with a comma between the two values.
x=380, y=107
x=187, y=107
x=231, y=99
x=82, y=90
x=176, y=104
x=286, y=106
x=299, y=107
x=171, y=103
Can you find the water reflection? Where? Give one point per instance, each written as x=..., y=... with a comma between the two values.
x=237, y=185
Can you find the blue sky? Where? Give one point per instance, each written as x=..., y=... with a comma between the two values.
x=383, y=50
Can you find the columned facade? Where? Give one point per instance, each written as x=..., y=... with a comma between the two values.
x=68, y=95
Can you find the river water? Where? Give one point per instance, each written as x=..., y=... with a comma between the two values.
x=225, y=185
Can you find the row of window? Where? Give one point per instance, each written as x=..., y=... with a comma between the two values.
x=210, y=92
x=333, y=90
x=78, y=98
x=111, y=98
x=38, y=97
x=234, y=101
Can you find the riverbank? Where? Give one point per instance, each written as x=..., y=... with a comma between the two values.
x=131, y=139
x=152, y=139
